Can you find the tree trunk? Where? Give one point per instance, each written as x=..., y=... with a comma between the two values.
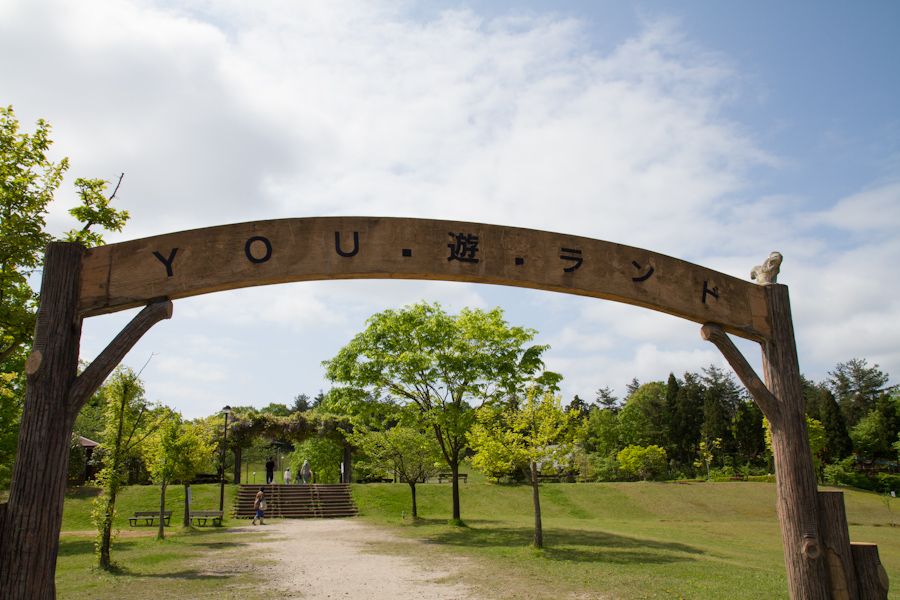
x=454, y=469
x=795, y=475
x=29, y=535
x=348, y=463
x=238, y=454
x=536, y=499
x=106, y=530
x=186, y=519
x=161, y=532
x=412, y=489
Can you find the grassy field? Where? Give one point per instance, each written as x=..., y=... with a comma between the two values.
x=615, y=540
x=201, y=562
x=619, y=540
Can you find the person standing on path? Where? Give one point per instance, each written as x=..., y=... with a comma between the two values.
x=270, y=470
x=287, y=476
x=306, y=471
x=259, y=507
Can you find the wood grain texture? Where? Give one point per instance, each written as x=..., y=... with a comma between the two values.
x=836, y=544
x=795, y=479
x=870, y=574
x=29, y=537
x=188, y=263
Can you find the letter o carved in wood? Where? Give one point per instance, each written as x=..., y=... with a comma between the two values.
x=248, y=246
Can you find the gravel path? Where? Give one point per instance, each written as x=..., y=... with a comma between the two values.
x=333, y=558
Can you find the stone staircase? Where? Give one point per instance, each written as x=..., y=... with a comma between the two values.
x=314, y=501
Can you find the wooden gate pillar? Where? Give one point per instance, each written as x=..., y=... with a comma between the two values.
x=781, y=401
x=34, y=509
x=55, y=393
x=798, y=502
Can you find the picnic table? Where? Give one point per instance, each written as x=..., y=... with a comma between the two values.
x=202, y=516
x=148, y=516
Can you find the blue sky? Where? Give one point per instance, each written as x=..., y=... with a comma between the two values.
x=711, y=131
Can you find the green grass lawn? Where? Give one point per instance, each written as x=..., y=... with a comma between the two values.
x=619, y=540
x=200, y=562
x=604, y=540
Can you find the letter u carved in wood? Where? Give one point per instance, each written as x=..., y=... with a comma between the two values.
x=337, y=244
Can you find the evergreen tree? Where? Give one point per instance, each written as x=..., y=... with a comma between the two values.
x=606, y=399
x=577, y=405
x=838, y=444
x=857, y=387
x=672, y=388
x=749, y=433
x=721, y=397
x=686, y=419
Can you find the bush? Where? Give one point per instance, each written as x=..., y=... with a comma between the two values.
x=645, y=462
x=722, y=474
x=604, y=468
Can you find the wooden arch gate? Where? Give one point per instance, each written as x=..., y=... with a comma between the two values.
x=819, y=558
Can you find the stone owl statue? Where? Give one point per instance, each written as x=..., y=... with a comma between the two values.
x=767, y=272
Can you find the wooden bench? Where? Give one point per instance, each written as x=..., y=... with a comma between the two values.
x=449, y=477
x=201, y=516
x=148, y=516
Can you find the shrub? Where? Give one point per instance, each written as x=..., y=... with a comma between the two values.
x=645, y=462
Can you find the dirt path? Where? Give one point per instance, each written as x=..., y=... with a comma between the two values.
x=336, y=558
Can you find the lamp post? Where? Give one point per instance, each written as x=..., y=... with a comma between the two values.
x=226, y=411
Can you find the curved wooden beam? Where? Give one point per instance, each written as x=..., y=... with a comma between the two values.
x=188, y=263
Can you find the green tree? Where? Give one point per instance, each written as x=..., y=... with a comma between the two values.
x=686, y=420
x=324, y=455
x=177, y=452
x=404, y=450
x=442, y=364
x=130, y=419
x=602, y=432
x=721, y=397
x=645, y=462
x=605, y=398
x=749, y=434
x=643, y=420
x=527, y=434
x=857, y=387
x=822, y=406
x=706, y=453
x=28, y=182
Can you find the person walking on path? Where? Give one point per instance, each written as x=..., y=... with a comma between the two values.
x=306, y=471
x=259, y=506
x=270, y=471
x=287, y=476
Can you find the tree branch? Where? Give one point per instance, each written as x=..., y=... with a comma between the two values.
x=94, y=375
x=768, y=403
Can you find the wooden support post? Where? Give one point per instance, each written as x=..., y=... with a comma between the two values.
x=835, y=538
x=30, y=535
x=870, y=574
x=781, y=400
x=29, y=529
x=798, y=502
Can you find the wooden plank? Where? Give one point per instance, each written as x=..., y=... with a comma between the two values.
x=188, y=263
x=836, y=545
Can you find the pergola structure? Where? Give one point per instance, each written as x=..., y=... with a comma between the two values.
x=77, y=283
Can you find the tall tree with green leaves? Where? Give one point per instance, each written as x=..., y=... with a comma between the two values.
x=857, y=386
x=441, y=363
x=28, y=182
x=177, y=452
x=413, y=455
x=130, y=420
x=528, y=433
x=686, y=420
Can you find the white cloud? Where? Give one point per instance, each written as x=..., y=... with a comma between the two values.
x=232, y=111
